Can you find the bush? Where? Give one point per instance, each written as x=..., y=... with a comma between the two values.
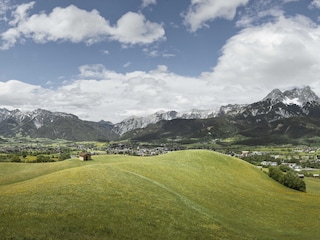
x=64, y=156
x=15, y=158
x=288, y=179
x=285, y=168
x=276, y=174
x=291, y=180
x=42, y=158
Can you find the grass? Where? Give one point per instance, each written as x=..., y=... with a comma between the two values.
x=180, y=195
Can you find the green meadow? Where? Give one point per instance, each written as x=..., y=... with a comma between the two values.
x=192, y=194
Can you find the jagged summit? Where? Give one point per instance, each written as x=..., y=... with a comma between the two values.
x=276, y=105
x=142, y=122
x=43, y=123
x=298, y=96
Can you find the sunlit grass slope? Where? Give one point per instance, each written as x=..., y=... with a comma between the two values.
x=180, y=195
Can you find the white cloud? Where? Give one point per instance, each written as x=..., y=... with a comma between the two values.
x=168, y=55
x=262, y=11
x=133, y=28
x=156, y=53
x=20, y=13
x=146, y=3
x=282, y=54
x=105, y=52
x=103, y=94
x=127, y=64
x=15, y=93
x=315, y=4
x=77, y=25
x=202, y=11
x=151, y=52
x=4, y=7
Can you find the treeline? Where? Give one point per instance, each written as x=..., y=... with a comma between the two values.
x=257, y=159
x=287, y=177
x=22, y=157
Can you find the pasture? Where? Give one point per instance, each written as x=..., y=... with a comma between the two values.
x=192, y=194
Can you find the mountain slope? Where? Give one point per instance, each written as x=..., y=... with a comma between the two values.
x=294, y=106
x=46, y=124
x=276, y=105
x=180, y=195
x=281, y=117
x=142, y=122
x=185, y=128
x=298, y=96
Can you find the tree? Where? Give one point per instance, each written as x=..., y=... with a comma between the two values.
x=285, y=168
x=64, y=156
x=42, y=158
x=15, y=158
x=293, y=181
x=289, y=179
x=276, y=174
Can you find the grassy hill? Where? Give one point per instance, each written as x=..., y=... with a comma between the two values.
x=180, y=195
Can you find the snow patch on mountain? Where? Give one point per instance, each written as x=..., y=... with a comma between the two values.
x=297, y=96
x=289, y=101
x=142, y=122
x=276, y=105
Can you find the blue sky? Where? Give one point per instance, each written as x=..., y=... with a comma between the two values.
x=113, y=59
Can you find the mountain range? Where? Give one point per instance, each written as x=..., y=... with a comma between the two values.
x=280, y=116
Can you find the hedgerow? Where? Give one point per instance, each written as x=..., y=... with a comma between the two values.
x=289, y=178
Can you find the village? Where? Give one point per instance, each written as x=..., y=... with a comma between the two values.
x=300, y=159
x=303, y=160
x=74, y=150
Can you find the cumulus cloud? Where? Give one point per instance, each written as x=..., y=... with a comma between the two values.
x=133, y=28
x=103, y=94
x=78, y=25
x=282, y=53
x=279, y=54
x=16, y=93
x=202, y=11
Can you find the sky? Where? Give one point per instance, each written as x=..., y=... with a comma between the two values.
x=113, y=59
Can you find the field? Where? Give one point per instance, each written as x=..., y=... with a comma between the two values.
x=192, y=194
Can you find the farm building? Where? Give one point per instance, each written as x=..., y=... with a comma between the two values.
x=84, y=156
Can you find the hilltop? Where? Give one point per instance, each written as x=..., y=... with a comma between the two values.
x=180, y=195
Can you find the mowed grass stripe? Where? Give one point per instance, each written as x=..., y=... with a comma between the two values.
x=182, y=198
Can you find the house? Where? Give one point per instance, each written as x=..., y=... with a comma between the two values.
x=245, y=153
x=268, y=163
x=316, y=175
x=84, y=156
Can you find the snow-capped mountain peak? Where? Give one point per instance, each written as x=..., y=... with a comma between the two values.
x=297, y=96
x=141, y=122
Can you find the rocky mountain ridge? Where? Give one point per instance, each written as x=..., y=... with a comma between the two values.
x=277, y=105
x=132, y=123
x=45, y=124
